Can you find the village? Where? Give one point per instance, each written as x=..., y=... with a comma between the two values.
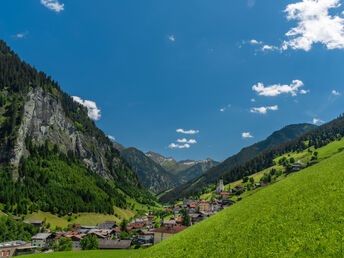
x=141, y=232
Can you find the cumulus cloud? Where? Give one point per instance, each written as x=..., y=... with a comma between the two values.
x=336, y=93
x=53, y=5
x=187, y=131
x=263, y=110
x=277, y=89
x=253, y=100
x=171, y=38
x=93, y=111
x=246, y=135
x=179, y=146
x=184, y=140
x=255, y=42
x=317, y=121
x=112, y=138
x=315, y=24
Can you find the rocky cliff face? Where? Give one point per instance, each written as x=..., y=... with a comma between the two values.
x=44, y=119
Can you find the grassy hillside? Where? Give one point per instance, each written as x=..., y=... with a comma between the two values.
x=86, y=254
x=299, y=216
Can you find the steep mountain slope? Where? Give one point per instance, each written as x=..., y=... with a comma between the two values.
x=152, y=175
x=195, y=185
x=39, y=124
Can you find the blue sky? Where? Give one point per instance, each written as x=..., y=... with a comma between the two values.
x=227, y=73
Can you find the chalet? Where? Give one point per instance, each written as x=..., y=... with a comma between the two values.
x=188, y=202
x=224, y=195
x=17, y=218
x=36, y=223
x=166, y=232
x=150, y=217
x=9, y=249
x=74, y=226
x=179, y=220
x=137, y=225
x=176, y=210
x=195, y=218
x=42, y=240
x=145, y=237
x=71, y=233
x=76, y=242
x=238, y=188
x=117, y=231
x=107, y=225
x=114, y=244
x=140, y=220
x=296, y=167
x=204, y=206
x=168, y=222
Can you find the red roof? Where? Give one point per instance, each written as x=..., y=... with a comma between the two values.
x=179, y=220
x=224, y=193
x=170, y=230
x=137, y=225
x=192, y=205
x=168, y=210
x=118, y=230
x=129, y=228
x=71, y=233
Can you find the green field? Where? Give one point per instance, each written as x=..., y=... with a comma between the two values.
x=299, y=216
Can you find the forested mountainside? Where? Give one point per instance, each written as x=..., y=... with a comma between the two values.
x=50, y=150
x=196, y=185
x=154, y=177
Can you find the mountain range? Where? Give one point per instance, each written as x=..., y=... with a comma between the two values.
x=196, y=184
x=158, y=173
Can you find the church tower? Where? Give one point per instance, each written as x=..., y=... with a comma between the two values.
x=220, y=187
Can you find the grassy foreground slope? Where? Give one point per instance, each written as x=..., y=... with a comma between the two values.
x=302, y=215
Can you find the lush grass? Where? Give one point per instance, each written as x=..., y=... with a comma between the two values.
x=302, y=215
x=84, y=254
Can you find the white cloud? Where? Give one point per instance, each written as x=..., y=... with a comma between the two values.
x=93, y=111
x=263, y=110
x=184, y=140
x=253, y=100
x=112, y=138
x=246, y=135
x=53, y=5
x=225, y=108
x=269, y=47
x=314, y=25
x=336, y=93
x=179, y=146
x=303, y=92
x=255, y=42
x=171, y=38
x=277, y=89
x=317, y=121
x=20, y=35
x=187, y=132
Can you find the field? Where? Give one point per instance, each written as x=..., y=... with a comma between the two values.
x=299, y=216
x=90, y=219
